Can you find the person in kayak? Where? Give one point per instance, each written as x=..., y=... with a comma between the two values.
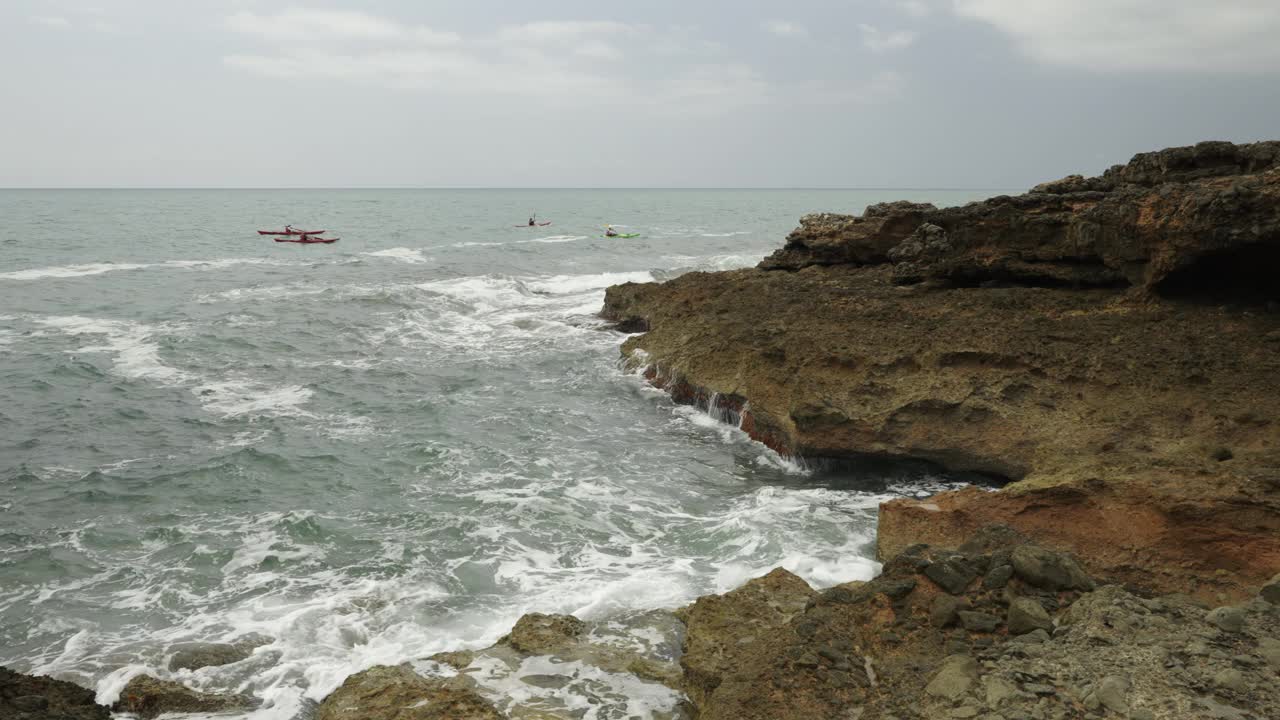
x=609, y=231
x=288, y=229
x=531, y=222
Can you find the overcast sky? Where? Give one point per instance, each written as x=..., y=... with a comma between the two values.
x=585, y=93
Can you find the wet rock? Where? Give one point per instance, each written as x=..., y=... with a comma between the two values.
x=457, y=659
x=1227, y=619
x=398, y=693
x=539, y=634
x=978, y=621
x=193, y=656
x=27, y=697
x=1025, y=615
x=149, y=697
x=958, y=676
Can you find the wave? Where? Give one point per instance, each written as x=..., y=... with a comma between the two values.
x=403, y=254
x=70, y=271
x=137, y=355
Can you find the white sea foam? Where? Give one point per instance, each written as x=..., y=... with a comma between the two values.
x=70, y=271
x=403, y=254
x=137, y=355
x=234, y=398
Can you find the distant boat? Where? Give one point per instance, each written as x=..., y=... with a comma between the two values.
x=541, y=224
x=307, y=240
x=290, y=231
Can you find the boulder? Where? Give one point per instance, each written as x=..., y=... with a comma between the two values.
x=29, y=697
x=1025, y=615
x=1227, y=619
x=193, y=656
x=539, y=634
x=149, y=697
x=1048, y=570
x=958, y=676
x=1271, y=591
x=398, y=693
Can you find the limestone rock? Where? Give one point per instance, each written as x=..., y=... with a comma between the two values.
x=978, y=621
x=193, y=656
x=1025, y=615
x=958, y=675
x=1228, y=619
x=539, y=634
x=149, y=697
x=717, y=625
x=952, y=574
x=398, y=693
x=1048, y=569
x=1271, y=591
x=1113, y=693
x=28, y=697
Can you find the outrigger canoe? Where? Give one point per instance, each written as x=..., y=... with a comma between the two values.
x=307, y=240
x=622, y=235
x=290, y=232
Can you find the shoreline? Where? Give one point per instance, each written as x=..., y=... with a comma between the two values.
x=1105, y=349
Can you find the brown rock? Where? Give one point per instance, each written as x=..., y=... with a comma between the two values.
x=398, y=693
x=148, y=697
x=539, y=634
x=722, y=629
x=28, y=697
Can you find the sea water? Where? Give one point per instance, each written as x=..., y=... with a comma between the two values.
x=368, y=452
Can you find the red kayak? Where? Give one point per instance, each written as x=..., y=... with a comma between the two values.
x=308, y=240
x=290, y=232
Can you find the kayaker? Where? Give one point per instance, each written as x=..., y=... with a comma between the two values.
x=531, y=222
x=609, y=231
x=288, y=229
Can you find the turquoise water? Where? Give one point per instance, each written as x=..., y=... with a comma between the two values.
x=370, y=451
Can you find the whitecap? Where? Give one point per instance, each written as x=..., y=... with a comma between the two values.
x=403, y=254
x=137, y=356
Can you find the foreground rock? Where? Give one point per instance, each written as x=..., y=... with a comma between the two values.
x=398, y=693
x=26, y=697
x=149, y=697
x=1027, y=636
x=1113, y=344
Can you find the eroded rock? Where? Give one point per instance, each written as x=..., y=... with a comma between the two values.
x=29, y=697
x=149, y=697
x=398, y=693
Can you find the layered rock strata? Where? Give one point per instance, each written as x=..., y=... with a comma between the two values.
x=1112, y=344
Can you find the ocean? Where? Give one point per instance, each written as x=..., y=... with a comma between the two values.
x=368, y=452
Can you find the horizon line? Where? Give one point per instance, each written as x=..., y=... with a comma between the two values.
x=495, y=187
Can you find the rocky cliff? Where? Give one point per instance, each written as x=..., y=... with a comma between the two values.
x=1110, y=344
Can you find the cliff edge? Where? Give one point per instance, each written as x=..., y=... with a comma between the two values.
x=1110, y=346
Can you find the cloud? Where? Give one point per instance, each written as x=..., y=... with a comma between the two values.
x=878, y=41
x=52, y=21
x=1139, y=35
x=312, y=24
x=915, y=8
x=784, y=28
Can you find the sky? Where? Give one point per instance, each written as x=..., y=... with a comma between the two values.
x=604, y=93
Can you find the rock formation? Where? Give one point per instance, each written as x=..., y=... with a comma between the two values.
x=1111, y=344
x=998, y=627
x=24, y=697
